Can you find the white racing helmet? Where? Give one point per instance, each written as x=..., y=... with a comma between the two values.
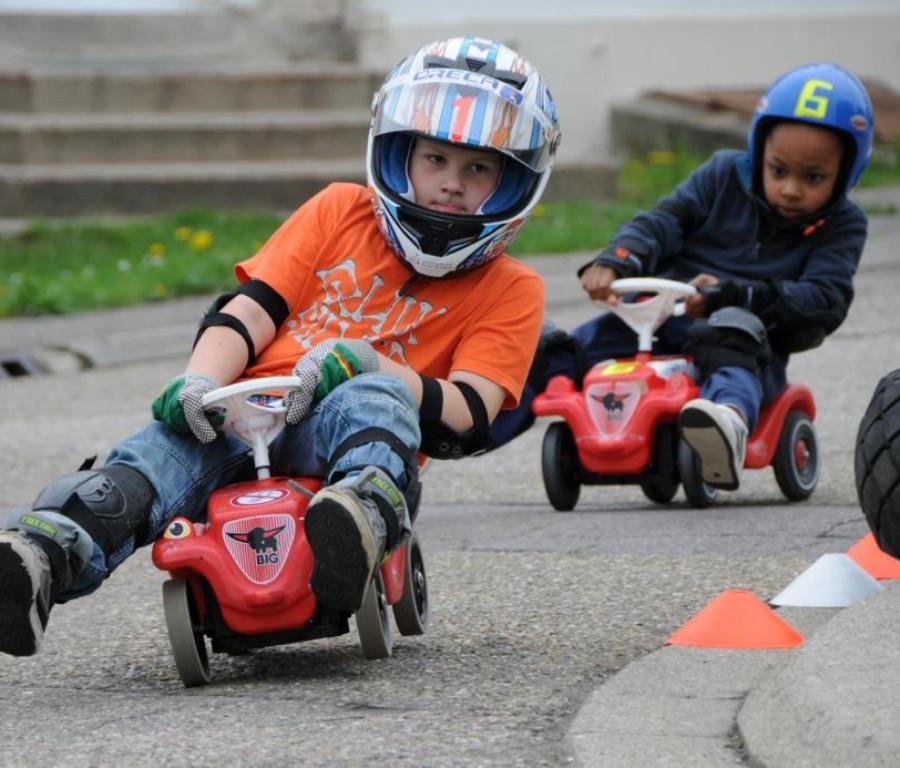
x=472, y=93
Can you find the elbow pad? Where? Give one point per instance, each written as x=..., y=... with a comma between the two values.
x=442, y=442
x=269, y=299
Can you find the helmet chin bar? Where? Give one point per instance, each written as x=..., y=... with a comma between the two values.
x=435, y=234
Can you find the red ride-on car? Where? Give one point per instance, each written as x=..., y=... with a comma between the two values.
x=622, y=426
x=241, y=578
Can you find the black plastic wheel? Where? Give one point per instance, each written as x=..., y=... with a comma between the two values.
x=187, y=640
x=877, y=463
x=699, y=494
x=796, y=461
x=411, y=610
x=660, y=483
x=660, y=491
x=560, y=467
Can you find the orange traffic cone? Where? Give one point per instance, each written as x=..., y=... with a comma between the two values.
x=736, y=619
x=868, y=555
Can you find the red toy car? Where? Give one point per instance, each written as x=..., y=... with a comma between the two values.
x=242, y=577
x=622, y=427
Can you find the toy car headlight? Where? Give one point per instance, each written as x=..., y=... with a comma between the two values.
x=179, y=528
x=611, y=404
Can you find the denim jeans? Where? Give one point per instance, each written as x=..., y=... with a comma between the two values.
x=606, y=336
x=184, y=471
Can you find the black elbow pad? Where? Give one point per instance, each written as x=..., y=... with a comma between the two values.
x=442, y=442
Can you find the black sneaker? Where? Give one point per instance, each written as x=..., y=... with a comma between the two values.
x=25, y=583
x=346, y=533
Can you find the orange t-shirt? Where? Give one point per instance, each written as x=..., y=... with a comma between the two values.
x=339, y=278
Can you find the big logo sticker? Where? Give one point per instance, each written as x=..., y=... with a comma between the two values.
x=260, y=545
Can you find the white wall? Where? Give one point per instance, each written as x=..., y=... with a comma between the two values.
x=592, y=62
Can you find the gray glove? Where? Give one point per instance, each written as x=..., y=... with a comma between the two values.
x=327, y=365
x=179, y=407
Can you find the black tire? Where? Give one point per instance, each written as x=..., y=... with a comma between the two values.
x=187, y=640
x=661, y=484
x=411, y=610
x=796, y=461
x=659, y=491
x=560, y=467
x=699, y=494
x=877, y=463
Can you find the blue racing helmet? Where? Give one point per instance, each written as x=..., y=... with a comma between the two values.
x=825, y=95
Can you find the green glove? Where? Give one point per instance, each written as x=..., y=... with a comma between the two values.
x=325, y=367
x=180, y=407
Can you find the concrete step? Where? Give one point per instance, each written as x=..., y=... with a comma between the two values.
x=646, y=124
x=232, y=88
x=275, y=185
x=184, y=137
x=192, y=32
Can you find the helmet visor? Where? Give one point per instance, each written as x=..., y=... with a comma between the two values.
x=470, y=109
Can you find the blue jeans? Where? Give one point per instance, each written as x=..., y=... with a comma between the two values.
x=184, y=472
x=606, y=336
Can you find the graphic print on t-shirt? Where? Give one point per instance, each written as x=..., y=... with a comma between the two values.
x=375, y=312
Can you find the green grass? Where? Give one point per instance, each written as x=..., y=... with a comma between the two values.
x=57, y=268
x=61, y=268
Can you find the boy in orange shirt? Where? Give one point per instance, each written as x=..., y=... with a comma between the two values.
x=397, y=306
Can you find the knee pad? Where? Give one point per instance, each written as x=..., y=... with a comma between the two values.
x=731, y=337
x=111, y=504
x=412, y=493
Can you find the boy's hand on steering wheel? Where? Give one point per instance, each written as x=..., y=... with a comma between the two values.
x=327, y=365
x=596, y=280
x=695, y=306
x=180, y=407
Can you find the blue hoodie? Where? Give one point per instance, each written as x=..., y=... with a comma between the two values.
x=714, y=223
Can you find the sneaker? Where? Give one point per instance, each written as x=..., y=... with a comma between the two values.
x=718, y=435
x=346, y=533
x=25, y=583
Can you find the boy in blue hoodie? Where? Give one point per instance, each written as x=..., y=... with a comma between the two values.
x=773, y=241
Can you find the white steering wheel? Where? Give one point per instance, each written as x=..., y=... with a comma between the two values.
x=644, y=317
x=254, y=412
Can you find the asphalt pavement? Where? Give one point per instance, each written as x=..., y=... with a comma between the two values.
x=831, y=701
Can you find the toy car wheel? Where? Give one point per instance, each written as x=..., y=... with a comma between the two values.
x=660, y=491
x=559, y=466
x=877, y=463
x=411, y=610
x=373, y=623
x=660, y=481
x=188, y=643
x=699, y=494
x=796, y=461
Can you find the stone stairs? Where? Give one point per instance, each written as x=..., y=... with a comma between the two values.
x=139, y=143
x=94, y=121
x=141, y=114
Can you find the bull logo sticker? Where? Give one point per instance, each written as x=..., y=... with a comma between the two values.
x=260, y=545
x=612, y=402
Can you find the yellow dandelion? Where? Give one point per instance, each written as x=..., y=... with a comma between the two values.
x=661, y=157
x=157, y=249
x=539, y=211
x=183, y=233
x=201, y=240
x=160, y=291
